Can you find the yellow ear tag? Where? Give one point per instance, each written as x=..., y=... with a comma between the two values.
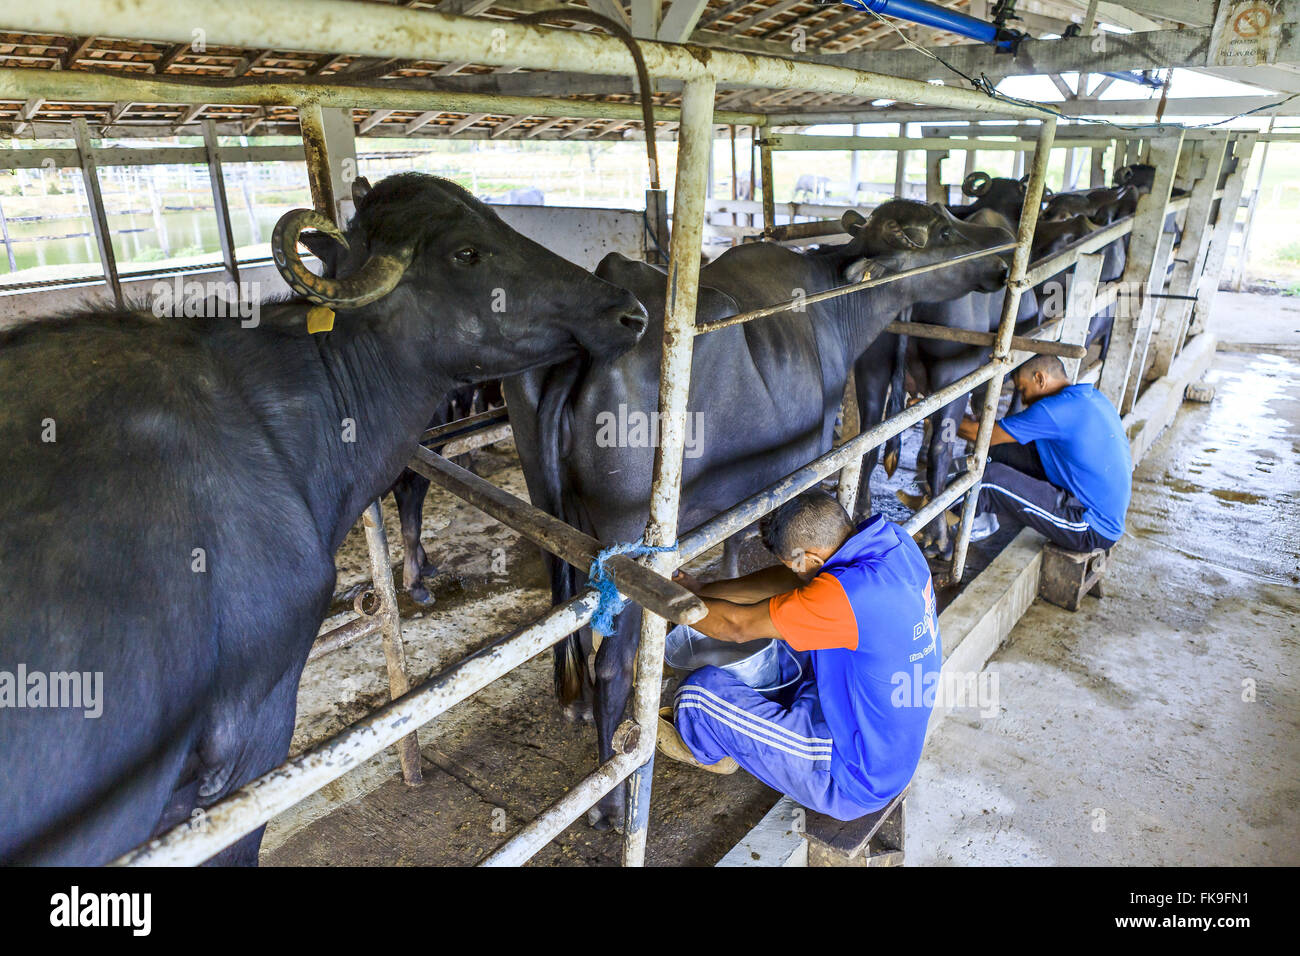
x=320, y=318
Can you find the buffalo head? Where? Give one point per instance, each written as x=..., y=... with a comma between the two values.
x=436, y=266
x=903, y=234
x=1001, y=195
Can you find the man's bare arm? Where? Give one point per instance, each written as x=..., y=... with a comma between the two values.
x=968, y=428
x=736, y=623
x=752, y=588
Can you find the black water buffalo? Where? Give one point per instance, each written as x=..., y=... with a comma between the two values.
x=993, y=193
x=175, y=490
x=763, y=401
x=1102, y=206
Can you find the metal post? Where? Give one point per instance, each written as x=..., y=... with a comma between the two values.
x=1006, y=328
x=9, y=246
x=935, y=190
x=219, y=202
x=900, y=165
x=695, y=145
x=769, y=187
x=1205, y=167
x=320, y=168
x=1131, y=324
x=95, y=200
x=381, y=576
x=656, y=225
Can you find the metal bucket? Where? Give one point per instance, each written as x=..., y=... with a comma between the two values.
x=756, y=663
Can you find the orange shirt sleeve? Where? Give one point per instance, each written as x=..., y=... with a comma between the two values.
x=815, y=617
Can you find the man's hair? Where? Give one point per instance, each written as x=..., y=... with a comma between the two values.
x=1049, y=365
x=811, y=520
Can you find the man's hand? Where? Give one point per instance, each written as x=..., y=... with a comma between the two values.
x=969, y=428
x=688, y=581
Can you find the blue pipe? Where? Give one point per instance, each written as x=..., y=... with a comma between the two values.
x=933, y=15
x=1138, y=78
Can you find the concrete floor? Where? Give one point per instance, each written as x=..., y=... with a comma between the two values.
x=1160, y=724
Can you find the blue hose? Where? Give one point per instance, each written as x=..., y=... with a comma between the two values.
x=933, y=15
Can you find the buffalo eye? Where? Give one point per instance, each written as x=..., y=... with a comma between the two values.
x=945, y=234
x=466, y=256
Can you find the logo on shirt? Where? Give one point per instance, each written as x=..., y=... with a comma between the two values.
x=926, y=625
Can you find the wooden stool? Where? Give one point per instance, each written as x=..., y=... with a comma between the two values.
x=1068, y=575
x=873, y=840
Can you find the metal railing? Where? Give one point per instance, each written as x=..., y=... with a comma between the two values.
x=384, y=31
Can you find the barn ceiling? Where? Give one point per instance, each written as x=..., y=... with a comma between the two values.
x=790, y=28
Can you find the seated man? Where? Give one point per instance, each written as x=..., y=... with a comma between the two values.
x=860, y=606
x=1062, y=466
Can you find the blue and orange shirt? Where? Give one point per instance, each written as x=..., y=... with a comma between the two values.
x=1084, y=449
x=869, y=620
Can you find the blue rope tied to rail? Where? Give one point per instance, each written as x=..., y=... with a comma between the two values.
x=611, y=603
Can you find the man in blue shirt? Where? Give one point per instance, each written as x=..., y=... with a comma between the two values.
x=1062, y=466
x=857, y=607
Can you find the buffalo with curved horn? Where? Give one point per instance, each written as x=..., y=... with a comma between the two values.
x=167, y=537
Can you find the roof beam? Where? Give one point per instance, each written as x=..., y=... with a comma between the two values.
x=680, y=21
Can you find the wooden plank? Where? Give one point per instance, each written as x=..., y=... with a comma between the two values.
x=658, y=594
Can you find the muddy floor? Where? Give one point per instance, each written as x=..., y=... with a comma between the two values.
x=499, y=758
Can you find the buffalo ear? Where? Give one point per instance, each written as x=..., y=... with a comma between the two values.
x=712, y=304
x=327, y=250
x=852, y=221
x=360, y=189
x=861, y=270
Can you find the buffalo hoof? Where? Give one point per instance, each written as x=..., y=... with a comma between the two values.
x=420, y=595
x=607, y=815
x=890, y=463
x=579, y=712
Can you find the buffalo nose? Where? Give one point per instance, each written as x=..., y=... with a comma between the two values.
x=634, y=320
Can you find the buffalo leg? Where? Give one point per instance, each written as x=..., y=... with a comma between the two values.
x=942, y=445
x=871, y=377
x=615, y=663
x=409, y=492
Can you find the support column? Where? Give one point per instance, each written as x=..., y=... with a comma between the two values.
x=1079, y=299
x=769, y=187
x=330, y=145
x=1006, y=329
x=1243, y=147
x=1133, y=320
x=220, y=203
x=694, y=148
x=1204, y=168
x=900, y=164
x=331, y=169
x=95, y=201
x=935, y=190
